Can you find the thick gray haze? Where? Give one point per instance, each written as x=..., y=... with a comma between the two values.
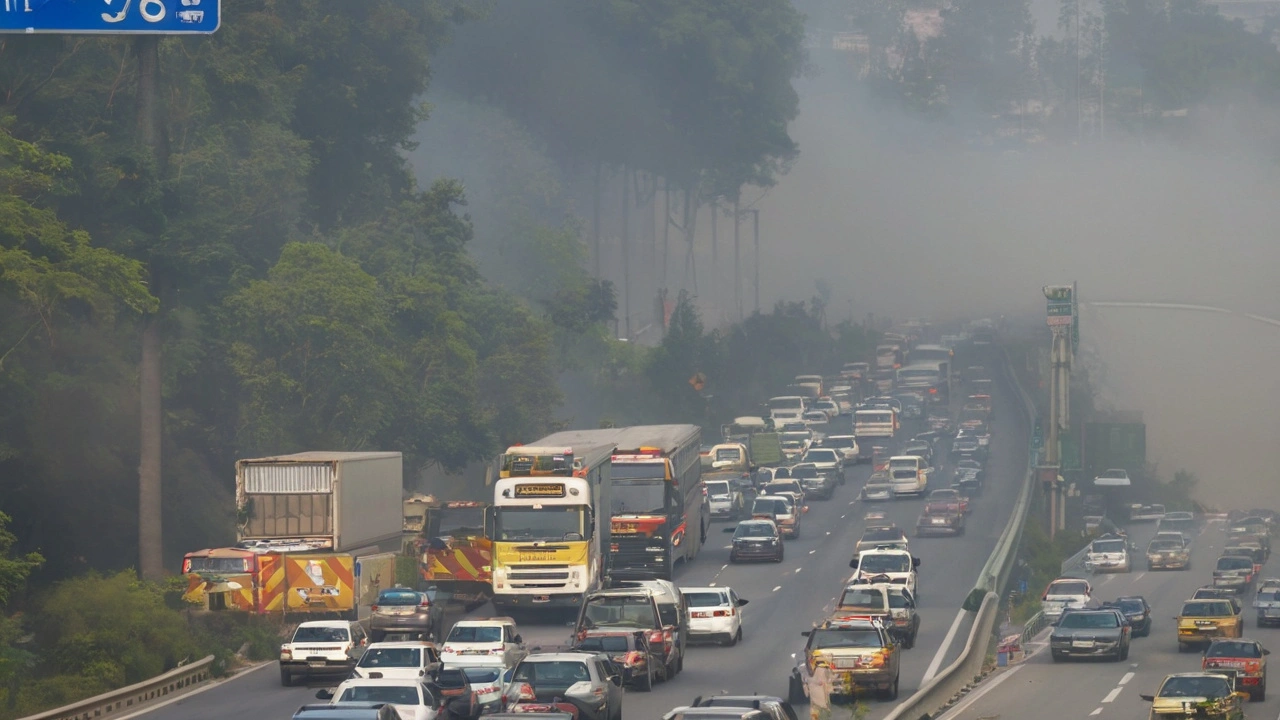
x=900, y=217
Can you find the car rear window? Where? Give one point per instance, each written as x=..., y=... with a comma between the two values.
x=1206, y=608
x=1236, y=649
x=606, y=643
x=706, y=599
x=321, y=634
x=475, y=634
x=398, y=597
x=376, y=657
x=1068, y=588
x=394, y=694
x=717, y=487
x=1235, y=562
x=552, y=672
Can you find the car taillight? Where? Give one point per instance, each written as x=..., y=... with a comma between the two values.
x=722, y=613
x=655, y=636
x=374, y=608
x=286, y=654
x=876, y=660
x=495, y=651
x=526, y=692
x=425, y=603
x=633, y=658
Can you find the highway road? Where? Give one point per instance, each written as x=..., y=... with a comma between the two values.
x=1082, y=690
x=784, y=599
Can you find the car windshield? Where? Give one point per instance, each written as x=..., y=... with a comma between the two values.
x=1164, y=546
x=706, y=599
x=1235, y=562
x=554, y=673
x=879, y=534
x=1131, y=606
x=604, y=643
x=394, y=694
x=1194, y=687
x=1108, y=546
x=379, y=657
x=729, y=454
x=897, y=601
x=1069, y=587
x=321, y=634
x=1206, y=608
x=805, y=472
x=862, y=598
x=772, y=505
x=1272, y=595
x=1233, y=649
x=885, y=563
x=1090, y=620
x=754, y=530
x=824, y=639
x=717, y=487
x=474, y=634
x=398, y=597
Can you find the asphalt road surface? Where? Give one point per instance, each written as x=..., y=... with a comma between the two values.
x=784, y=599
x=1087, y=689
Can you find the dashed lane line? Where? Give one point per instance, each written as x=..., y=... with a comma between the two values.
x=1111, y=696
x=776, y=589
x=1127, y=677
x=1097, y=711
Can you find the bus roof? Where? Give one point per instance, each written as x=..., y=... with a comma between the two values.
x=667, y=438
x=588, y=449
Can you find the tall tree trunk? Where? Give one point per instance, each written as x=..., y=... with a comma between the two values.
x=737, y=265
x=690, y=221
x=666, y=233
x=595, y=219
x=150, y=535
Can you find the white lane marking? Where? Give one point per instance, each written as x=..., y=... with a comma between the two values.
x=942, y=649
x=726, y=565
x=1127, y=677
x=776, y=589
x=1111, y=696
x=799, y=569
x=1138, y=576
x=843, y=517
x=1106, y=580
x=982, y=689
x=711, y=584
x=828, y=532
x=1098, y=711
x=728, y=547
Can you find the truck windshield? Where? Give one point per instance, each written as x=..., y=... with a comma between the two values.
x=457, y=522
x=218, y=565
x=639, y=496
x=526, y=524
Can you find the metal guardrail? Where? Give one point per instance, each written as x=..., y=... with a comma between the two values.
x=966, y=670
x=1075, y=562
x=1032, y=628
x=118, y=702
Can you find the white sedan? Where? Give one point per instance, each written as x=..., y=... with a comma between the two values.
x=411, y=698
x=715, y=613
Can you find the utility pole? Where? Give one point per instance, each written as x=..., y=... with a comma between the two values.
x=595, y=220
x=1079, y=108
x=1061, y=317
x=666, y=231
x=737, y=267
x=756, y=218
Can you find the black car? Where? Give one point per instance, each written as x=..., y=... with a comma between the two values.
x=756, y=539
x=1136, y=611
x=777, y=708
x=629, y=650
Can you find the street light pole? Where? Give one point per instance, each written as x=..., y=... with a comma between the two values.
x=737, y=267
x=756, y=219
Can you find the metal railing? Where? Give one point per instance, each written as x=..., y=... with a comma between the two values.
x=129, y=699
x=964, y=672
x=967, y=669
x=1075, y=563
x=1032, y=628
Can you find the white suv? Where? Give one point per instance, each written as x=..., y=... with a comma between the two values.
x=715, y=613
x=485, y=641
x=322, y=647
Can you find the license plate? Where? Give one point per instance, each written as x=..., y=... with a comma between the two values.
x=316, y=664
x=1082, y=643
x=541, y=598
x=626, y=528
x=939, y=521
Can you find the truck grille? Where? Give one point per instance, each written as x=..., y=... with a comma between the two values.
x=642, y=556
x=538, y=576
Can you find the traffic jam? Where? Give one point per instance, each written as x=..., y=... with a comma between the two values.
x=1226, y=667
x=590, y=526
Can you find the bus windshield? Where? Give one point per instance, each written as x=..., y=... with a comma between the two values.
x=527, y=524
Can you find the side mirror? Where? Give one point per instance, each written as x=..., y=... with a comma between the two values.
x=1147, y=698
x=854, y=563
x=804, y=510
x=744, y=601
x=1266, y=652
x=324, y=694
x=519, y=640
x=915, y=562
x=616, y=680
x=806, y=633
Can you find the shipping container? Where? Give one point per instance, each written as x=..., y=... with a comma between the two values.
x=349, y=501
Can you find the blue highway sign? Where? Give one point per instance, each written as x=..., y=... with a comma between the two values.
x=111, y=17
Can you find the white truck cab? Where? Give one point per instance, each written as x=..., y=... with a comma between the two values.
x=898, y=565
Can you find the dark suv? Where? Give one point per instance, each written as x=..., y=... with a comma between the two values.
x=401, y=610
x=655, y=606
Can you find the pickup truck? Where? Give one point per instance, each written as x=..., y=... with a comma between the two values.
x=909, y=475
